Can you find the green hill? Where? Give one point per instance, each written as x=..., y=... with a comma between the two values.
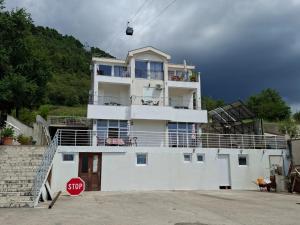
x=39, y=66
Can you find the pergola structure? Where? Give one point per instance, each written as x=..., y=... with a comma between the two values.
x=234, y=118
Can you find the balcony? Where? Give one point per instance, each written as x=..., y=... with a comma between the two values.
x=183, y=76
x=168, y=139
x=145, y=107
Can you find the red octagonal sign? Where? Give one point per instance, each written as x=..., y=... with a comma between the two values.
x=75, y=186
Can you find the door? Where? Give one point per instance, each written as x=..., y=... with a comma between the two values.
x=90, y=170
x=223, y=171
x=276, y=165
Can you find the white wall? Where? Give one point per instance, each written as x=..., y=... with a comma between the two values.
x=166, y=170
x=62, y=171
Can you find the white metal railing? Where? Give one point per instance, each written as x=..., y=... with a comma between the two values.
x=75, y=121
x=178, y=102
x=44, y=169
x=114, y=137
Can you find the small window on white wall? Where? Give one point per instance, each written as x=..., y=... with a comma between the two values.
x=200, y=157
x=141, y=159
x=187, y=157
x=68, y=157
x=243, y=160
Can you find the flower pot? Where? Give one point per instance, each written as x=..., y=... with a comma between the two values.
x=7, y=140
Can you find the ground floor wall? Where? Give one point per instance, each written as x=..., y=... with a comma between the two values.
x=166, y=168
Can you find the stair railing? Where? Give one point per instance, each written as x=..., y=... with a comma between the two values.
x=45, y=127
x=44, y=169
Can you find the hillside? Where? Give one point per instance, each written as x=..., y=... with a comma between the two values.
x=39, y=66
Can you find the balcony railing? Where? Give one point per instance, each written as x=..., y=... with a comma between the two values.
x=178, y=139
x=109, y=100
x=148, y=100
x=182, y=76
x=70, y=121
x=177, y=102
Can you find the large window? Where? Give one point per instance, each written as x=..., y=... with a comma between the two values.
x=115, y=130
x=141, y=69
x=156, y=70
x=120, y=71
x=182, y=134
x=104, y=70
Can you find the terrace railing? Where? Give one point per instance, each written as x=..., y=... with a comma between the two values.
x=123, y=138
x=71, y=121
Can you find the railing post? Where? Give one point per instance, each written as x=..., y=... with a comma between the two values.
x=75, y=137
x=207, y=140
x=265, y=141
x=230, y=140
x=253, y=139
x=276, y=144
x=219, y=140
x=243, y=146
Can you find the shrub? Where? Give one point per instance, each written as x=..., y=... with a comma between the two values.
x=24, y=140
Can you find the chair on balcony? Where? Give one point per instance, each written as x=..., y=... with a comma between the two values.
x=156, y=103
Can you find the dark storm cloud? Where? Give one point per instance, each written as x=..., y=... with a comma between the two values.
x=241, y=47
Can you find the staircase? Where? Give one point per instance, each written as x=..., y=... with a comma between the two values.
x=18, y=169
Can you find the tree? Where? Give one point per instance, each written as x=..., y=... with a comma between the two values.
x=209, y=103
x=296, y=117
x=269, y=105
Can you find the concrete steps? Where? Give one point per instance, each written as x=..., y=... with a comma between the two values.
x=18, y=166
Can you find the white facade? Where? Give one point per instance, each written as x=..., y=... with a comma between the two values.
x=167, y=170
x=147, y=120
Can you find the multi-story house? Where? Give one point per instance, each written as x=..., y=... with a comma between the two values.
x=146, y=133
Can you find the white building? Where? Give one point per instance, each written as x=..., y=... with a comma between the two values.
x=146, y=133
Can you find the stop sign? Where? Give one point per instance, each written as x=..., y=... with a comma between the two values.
x=75, y=186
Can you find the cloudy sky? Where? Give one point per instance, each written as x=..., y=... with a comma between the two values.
x=239, y=46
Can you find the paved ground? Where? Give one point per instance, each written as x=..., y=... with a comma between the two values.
x=163, y=207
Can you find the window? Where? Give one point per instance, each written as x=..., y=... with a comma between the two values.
x=112, y=129
x=182, y=134
x=141, y=158
x=104, y=70
x=200, y=157
x=187, y=157
x=68, y=157
x=243, y=160
x=156, y=70
x=85, y=164
x=141, y=69
x=120, y=71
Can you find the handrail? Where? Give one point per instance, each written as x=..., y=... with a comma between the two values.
x=44, y=169
x=45, y=127
x=123, y=138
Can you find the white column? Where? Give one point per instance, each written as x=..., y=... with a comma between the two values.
x=95, y=85
x=166, y=88
x=199, y=93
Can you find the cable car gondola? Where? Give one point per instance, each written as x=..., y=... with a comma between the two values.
x=129, y=30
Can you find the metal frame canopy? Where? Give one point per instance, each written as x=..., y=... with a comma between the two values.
x=234, y=118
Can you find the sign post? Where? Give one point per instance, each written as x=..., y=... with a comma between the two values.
x=75, y=186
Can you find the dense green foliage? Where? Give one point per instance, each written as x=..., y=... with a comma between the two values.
x=40, y=66
x=269, y=105
x=209, y=103
x=296, y=117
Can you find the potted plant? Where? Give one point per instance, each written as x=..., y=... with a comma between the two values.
x=193, y=77
x=7, y=135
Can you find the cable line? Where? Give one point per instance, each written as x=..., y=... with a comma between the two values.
x=159, y=14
